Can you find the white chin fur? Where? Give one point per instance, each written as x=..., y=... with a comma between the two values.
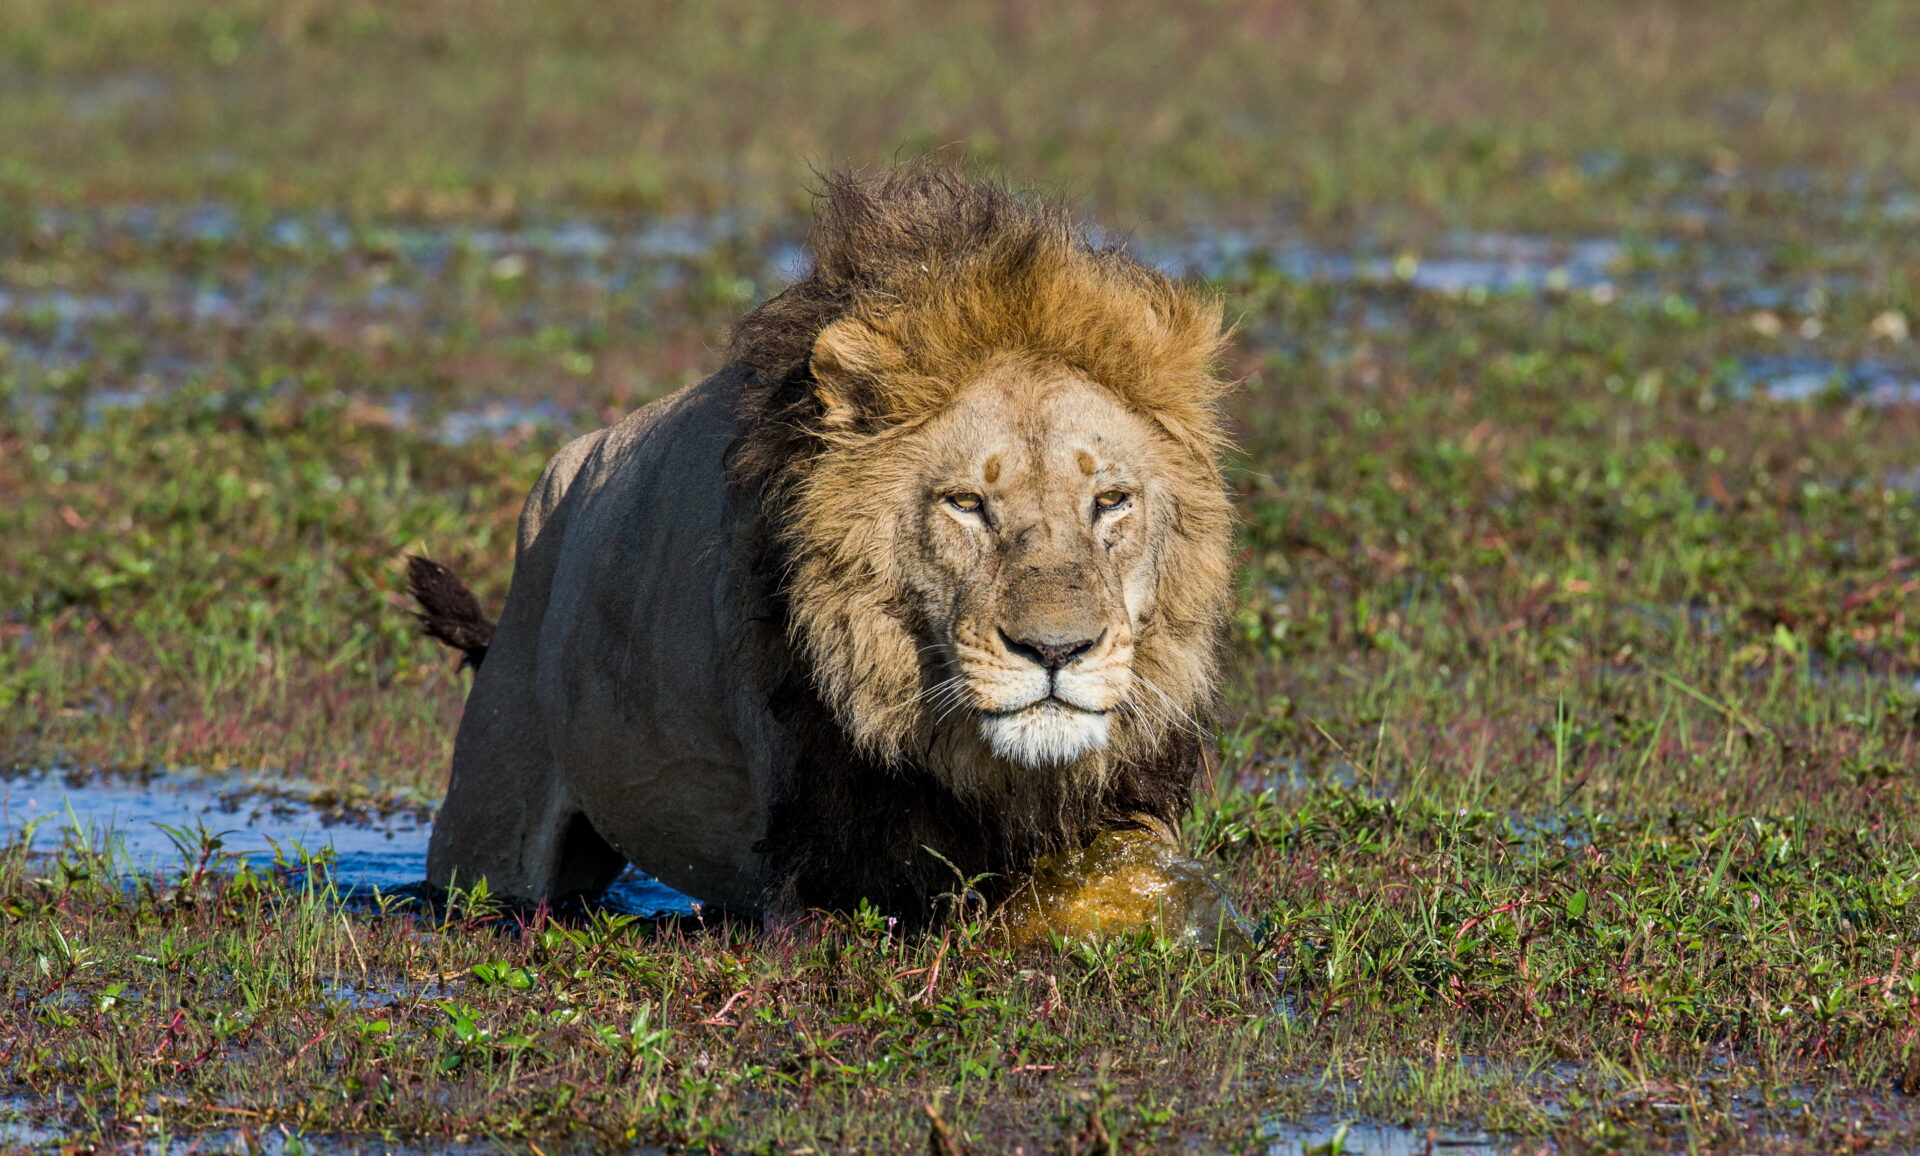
x=1044, y=734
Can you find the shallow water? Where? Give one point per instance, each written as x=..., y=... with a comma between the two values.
x=1809, y=378
x=1356, y=1138
x=295, y=268
x=24, y=1125
x=153, y=288
x=1492, y=263
x=372, y=847
x=369, y=847
x=27, y=1126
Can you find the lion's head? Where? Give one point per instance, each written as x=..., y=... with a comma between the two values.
x=990, y=452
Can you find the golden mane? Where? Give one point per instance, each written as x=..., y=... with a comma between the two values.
x=930, y=274
x=920, y=279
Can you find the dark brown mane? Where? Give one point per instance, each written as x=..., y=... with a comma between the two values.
x=846, y=828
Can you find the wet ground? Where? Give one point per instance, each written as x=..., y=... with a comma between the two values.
x=137, y=297
x=1327, y=1137
x=160, y=823
x=23, y=1128
x=1573, y=704
x=463, y=336
x=366, y=848
x=163, y=824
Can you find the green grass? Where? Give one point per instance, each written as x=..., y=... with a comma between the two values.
x=1569, y=755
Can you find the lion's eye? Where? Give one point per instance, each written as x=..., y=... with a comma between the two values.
x=1111, y=499
x=966, y=503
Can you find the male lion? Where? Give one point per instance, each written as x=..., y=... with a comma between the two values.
x=930, y=579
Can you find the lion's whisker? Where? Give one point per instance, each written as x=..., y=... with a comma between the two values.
x=946, y=707
x=1175, y=715
x=1172, y=713
x=940, y=720
x=941, y=687
x=944, y=697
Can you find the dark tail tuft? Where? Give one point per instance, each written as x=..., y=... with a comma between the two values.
x=448, y=610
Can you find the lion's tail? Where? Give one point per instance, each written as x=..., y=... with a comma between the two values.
x=448, y=610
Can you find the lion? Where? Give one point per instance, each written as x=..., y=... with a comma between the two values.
x=930, y=581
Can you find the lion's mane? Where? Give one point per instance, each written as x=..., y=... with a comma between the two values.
x=939, y=275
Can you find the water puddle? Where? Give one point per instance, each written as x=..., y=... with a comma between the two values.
x=211, y=223
x=146, y=299
x=1461, y=263
x=495, y=420
x=491, y=419
x=24, y=1126
x=154, y=824
x=29, y=1127
x=320, y=266
x=1874, y=383
x=1328, y=1137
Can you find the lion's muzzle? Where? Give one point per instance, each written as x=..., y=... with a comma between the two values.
x=1052, y=675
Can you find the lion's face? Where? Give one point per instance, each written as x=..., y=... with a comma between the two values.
x=1029, y=550
x=1010, y=545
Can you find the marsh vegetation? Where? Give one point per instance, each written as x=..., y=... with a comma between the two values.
x=1568, y=764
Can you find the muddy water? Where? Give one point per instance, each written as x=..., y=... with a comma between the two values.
x=154, y=824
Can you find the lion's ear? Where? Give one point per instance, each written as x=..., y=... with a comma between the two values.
x=847, y=357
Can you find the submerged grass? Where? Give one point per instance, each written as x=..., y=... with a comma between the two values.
x=1568, y=761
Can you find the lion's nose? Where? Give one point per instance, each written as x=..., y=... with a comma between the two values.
x=1051, y=655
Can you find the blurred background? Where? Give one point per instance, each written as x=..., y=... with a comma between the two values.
x=1492, y=112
